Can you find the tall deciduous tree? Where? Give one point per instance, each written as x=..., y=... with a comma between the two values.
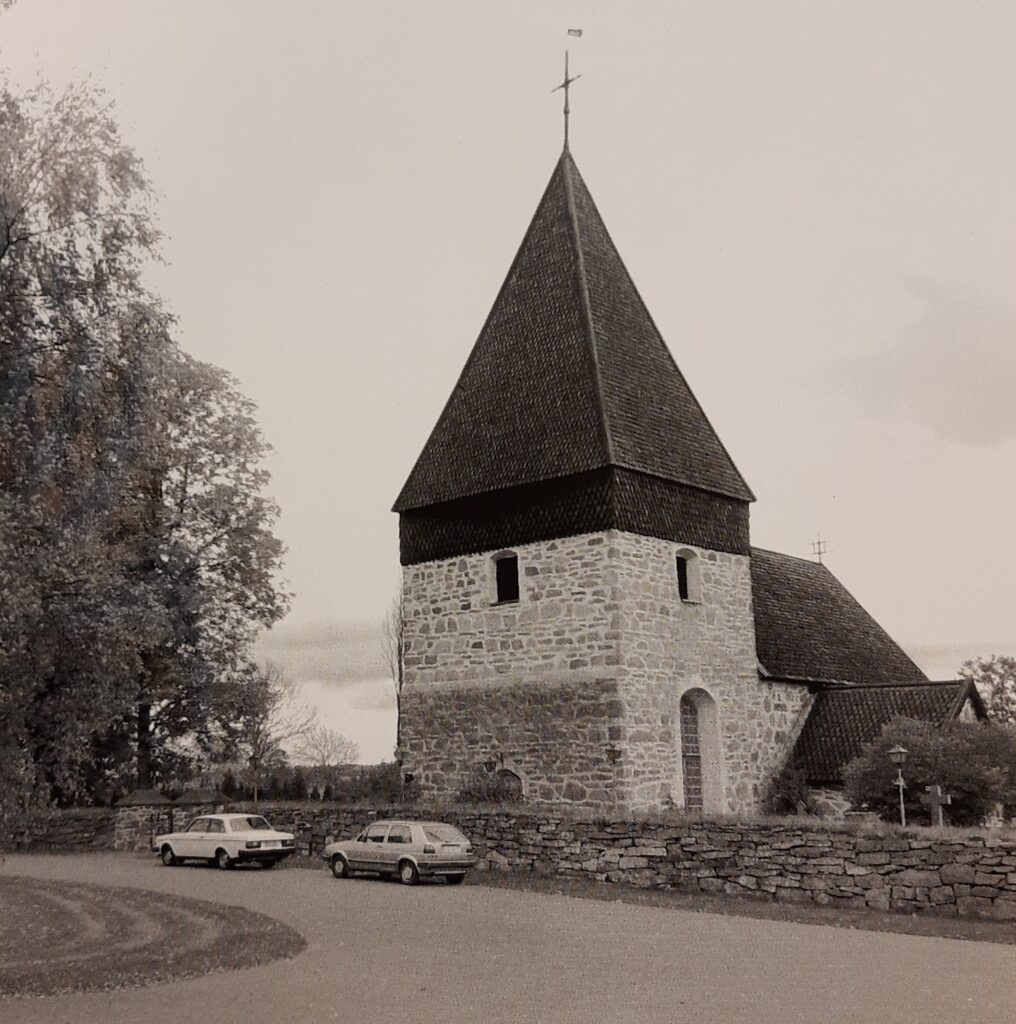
x=209, y=551
x=995, y=679
x=75, y=325
x=137, y=555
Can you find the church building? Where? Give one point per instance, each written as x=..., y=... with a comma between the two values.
x=583, y=611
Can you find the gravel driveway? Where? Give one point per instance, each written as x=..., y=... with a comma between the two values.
x=388, y=954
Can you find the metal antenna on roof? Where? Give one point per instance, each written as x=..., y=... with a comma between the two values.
x=565, y=85
x=819, y=547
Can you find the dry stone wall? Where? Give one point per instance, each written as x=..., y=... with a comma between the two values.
x=909, y=871
x=79, y=828
x=939, y=871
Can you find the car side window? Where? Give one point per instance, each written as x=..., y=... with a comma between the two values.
x=198, y=825
x=376, y=833
x=400, y=834
x=216, y=826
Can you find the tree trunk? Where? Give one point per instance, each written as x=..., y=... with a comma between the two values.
x=144, y=743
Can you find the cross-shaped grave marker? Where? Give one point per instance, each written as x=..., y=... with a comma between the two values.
x=935, y=801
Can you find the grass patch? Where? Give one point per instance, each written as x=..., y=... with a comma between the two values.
x=59, y=937
x=971, y=929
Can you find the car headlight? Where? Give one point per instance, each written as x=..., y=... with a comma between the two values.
x=253, y=845
x=288, y=842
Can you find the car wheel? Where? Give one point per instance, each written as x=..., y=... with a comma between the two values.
x=408, y=875
x=339, y=867
x=455, y=879
x=168, y=857
x=223, y=861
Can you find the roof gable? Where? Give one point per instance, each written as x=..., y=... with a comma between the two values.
x=809, y=627
x=569, y=374
x=844, y=719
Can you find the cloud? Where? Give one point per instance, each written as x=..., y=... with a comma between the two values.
x=335, y=653
x=953, y=372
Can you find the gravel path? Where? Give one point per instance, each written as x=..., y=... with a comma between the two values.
x=382, y=952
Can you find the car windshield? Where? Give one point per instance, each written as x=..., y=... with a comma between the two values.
x=443, y=834
x=248, y=824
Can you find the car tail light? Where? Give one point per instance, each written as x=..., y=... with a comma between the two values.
x=469, y=850
x=253, y=845
x=429, y=849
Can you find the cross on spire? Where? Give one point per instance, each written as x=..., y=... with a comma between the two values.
x=565, y=85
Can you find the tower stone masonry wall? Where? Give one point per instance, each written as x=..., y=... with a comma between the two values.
x=576, y=686
x=532, y=683
x=670, y=646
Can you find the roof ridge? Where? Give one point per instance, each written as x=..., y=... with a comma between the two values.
x=796, y=558
x=567, y=162
x=659, y=334
x=894, y=685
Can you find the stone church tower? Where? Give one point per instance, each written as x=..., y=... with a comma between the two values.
x=577, y=583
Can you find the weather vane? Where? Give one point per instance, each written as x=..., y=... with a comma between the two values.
x=566, y=83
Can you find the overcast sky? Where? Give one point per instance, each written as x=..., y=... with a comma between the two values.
x=815, y=200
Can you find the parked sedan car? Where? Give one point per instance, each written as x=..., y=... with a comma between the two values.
x=225, y=840
x=406, y=850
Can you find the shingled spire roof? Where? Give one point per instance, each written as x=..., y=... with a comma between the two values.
x=568, y=375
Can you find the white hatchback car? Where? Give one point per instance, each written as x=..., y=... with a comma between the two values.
x=225, y=840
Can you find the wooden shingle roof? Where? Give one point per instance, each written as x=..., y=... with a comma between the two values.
x=569, y=375
x=809, y=628
x=843, y=719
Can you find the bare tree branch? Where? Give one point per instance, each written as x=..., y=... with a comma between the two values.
x=392, y=633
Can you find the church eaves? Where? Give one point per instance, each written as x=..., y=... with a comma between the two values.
x=569, y=375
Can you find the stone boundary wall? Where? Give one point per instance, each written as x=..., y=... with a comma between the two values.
x=914, y=870
x=54, y=831
x=941, y=871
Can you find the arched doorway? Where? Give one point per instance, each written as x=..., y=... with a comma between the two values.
x=701, y=786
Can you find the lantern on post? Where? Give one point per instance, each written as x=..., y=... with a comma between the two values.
x=898, y=756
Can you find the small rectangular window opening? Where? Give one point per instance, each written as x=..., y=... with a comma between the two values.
x=682, y=577
x=507, y=570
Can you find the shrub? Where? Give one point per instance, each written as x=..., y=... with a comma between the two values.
x=787, y=790
x=372, y=783
x=975, y=763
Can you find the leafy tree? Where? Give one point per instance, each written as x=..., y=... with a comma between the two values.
x=75, y=331
x=995, y=679
x=211, y=555
x=974, y=762
x=137, y=558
